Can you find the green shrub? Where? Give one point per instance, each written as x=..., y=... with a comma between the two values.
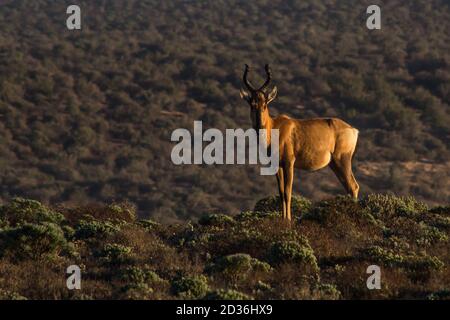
x=237, y=266
x=149, y=224
x=396, y=243
x=293, y=252
x=95, y=229
x=442, y=210
x=20, y=211
x=69, y=232
x=337, y=206
x=114, y=253
x=228, y=294
x=257, y=215
x=81, y=296
x=424, y=263
x=328, y=291
x=195, y=239
x=137, y=291
x=193, y=287
x=122, y=212
x=35, y=241
x=388, y=205
x=430, y=235
x=10, y=295
x=439, y=295
x=412, y=261
x=142, y=282
x=3, y=222
x=262, y=286
x=273, y=203
x=135, y=274
x=380, y=255
x=216, y=220
x=438, y=220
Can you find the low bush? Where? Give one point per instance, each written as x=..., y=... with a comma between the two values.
x=388, y=205
x=257, y=215
x=121, y=212
x=439, y=295
x=254, y=255
x=190, y=287
x=328, y=292
x=237, y=266
x=136, y=274
x=293, y=252
x=300, y=205
x=149, y=224
x=411, y=261
x=137, y=291
x=442, y=210
x=95, y=229
x=227, y=294
x=216, y=220
x=9, y=295
x=20, y=211
x=34, y=241
x=115, y=254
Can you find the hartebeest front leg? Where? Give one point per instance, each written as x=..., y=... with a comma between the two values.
x=280, y=179
x=288, y=181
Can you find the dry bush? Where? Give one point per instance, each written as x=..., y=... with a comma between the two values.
x=322, y=254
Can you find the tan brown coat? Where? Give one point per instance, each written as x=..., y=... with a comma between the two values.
x=310, y=144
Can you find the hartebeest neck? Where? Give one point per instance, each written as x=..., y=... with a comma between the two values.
x=266, y=122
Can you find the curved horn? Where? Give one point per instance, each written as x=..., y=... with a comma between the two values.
x=269, y=77
x=246, y=82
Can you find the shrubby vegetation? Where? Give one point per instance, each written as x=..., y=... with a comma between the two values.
x=324, y=254
x=194, y=287
x=87, y=116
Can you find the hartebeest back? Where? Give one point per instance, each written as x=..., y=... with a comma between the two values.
x=310, y=144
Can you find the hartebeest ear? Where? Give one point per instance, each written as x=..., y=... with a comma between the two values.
x=245, y=95
x=272, y=95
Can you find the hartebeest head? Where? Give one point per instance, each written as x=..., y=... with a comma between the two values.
x=258, y=99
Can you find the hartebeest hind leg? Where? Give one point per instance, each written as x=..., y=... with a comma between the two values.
x=280, y=179
x=342, y=167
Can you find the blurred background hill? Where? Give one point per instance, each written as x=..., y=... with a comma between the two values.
x=86, y=116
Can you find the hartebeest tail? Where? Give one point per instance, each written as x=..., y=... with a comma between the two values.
x=310, y=144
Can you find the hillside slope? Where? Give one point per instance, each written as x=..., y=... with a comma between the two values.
x=87, y=116
x=324, y=254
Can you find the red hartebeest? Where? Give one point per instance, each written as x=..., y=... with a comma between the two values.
x=309, y=144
